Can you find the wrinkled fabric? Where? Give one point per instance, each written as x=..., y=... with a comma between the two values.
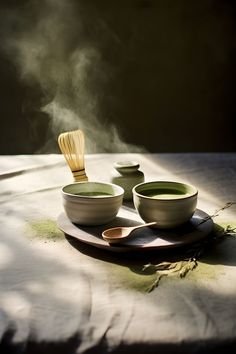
x=58, y=295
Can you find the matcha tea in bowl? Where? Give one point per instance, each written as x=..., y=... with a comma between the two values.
x=92, y=203
x=169, y=203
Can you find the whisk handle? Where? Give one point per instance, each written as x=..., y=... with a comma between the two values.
x=80, y=176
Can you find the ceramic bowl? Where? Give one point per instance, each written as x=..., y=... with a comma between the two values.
x=168, y=203
x=92, y=203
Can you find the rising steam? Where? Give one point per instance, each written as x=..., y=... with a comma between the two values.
x=53, y=46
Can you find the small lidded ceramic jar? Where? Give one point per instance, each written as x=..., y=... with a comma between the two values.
x=127, y=175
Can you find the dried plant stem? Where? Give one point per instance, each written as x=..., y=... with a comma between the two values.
x=183, y=267
x=216, y=213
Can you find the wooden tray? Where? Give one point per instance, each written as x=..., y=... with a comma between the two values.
x=142, y=239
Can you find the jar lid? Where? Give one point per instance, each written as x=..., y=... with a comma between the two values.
x=126, y=166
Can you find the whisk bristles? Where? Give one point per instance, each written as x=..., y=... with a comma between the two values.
x=72, y=146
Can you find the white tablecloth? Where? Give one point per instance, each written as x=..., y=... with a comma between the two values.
x=58, y=295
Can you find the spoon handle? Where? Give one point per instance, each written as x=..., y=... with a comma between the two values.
x=144, y=225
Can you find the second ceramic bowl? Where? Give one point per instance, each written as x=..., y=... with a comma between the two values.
x=168, y=203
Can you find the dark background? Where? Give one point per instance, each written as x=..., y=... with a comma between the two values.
x=170, y=67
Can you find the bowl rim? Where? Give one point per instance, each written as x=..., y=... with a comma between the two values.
x=77, y=196
x=122, y=164
x=193, y=194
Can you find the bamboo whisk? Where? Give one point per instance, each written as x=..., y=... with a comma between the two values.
x=72, y=146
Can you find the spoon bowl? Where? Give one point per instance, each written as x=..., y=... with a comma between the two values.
x=121, y=233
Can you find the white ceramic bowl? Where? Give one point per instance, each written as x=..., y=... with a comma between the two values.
x=92, y=203
x=168, y=203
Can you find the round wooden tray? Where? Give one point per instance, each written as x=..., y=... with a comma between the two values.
x=146, y=238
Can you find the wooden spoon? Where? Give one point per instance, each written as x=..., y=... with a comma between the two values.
x=118, y=234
